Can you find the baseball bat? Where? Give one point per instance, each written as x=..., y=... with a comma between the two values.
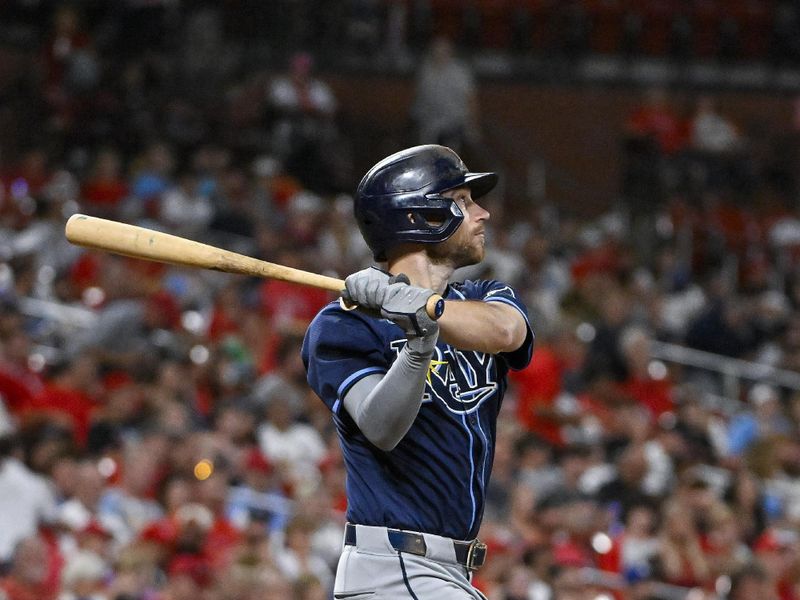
x=139, y=242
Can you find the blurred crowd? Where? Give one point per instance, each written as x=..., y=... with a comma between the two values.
x=158, y=440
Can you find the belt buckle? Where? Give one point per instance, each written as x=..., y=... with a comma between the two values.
x=476, y=555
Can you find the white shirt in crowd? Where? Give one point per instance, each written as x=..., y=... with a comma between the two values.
x=25, y=500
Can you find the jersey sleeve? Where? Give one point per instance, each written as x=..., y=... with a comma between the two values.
x=496, y=291
x=340, y=348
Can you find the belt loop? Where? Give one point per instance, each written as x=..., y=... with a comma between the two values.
x=349, y=534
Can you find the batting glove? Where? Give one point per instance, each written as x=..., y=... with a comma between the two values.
x=405, y=305
x=367, y=289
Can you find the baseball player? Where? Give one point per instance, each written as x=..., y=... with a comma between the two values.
x=415, y=400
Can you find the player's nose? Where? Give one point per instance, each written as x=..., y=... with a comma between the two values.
x=481, y=214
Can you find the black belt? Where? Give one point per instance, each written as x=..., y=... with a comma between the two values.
x=471, y=555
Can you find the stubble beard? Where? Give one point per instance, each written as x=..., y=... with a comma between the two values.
x=457, y=252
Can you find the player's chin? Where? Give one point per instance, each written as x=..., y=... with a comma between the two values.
x=472, y=256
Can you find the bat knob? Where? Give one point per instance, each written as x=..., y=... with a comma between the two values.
x=435, y=306
x=439, y=310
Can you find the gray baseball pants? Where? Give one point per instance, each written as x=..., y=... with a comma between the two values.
x=374, y=570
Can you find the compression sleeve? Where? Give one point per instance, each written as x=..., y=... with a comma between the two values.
x=385, y=406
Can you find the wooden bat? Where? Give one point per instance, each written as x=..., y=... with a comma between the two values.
x=140, y=242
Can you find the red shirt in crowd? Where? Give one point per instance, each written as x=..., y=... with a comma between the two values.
x=286, y=302
x=653, y=394
x=18, y=387
x=104, y=192
x=538, y=387
x=74, y=405
x=660, y=123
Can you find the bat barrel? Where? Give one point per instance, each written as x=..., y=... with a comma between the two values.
x=148, y=244
x=140, y=242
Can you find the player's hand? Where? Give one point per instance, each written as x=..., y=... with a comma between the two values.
x=378, y=294
x=366, y=289
x=405, y=305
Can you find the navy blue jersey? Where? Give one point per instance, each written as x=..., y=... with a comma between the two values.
x=435, y=479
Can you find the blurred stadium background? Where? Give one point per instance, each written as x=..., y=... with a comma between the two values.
x=157, y=437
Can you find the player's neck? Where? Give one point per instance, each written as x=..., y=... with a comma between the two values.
x=421, y=271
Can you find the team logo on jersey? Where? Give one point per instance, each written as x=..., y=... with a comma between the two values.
x=461, y=381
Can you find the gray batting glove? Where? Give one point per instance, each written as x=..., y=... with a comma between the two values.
x=366, y=288
x=405, y=305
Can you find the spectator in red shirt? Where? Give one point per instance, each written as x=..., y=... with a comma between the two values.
x=226, y=314
x=19, y=384
x=542, y=382
x=647, y=382
x=188, y=576
x=656, y=119
x=289, y=305
x=776, y=549
x=30, y=577
x=222, y=537
x=70, y=396
x=577, y=517
x=681, y=555
x=105, y=188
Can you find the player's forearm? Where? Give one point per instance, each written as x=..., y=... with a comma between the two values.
x=489, y=327
x=384, y=407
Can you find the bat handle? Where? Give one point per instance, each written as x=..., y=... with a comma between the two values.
x=434, y=306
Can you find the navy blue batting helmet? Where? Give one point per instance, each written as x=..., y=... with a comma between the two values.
x=400, y=198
